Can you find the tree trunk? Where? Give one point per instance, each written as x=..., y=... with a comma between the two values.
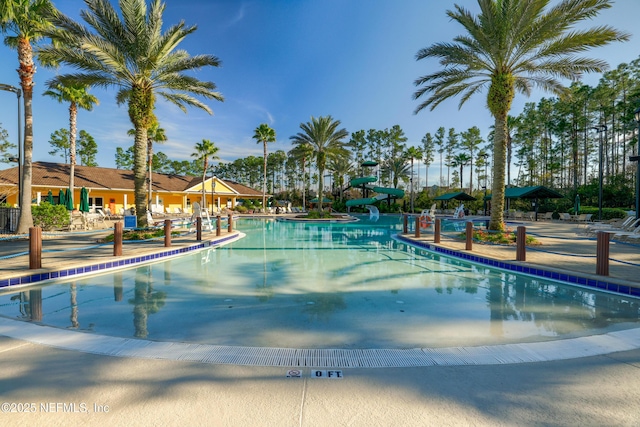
x=26, y=71
x=497, y=189
x=204, y=177
x=140, y=174
x=264, y=178
x=150, y=160
x=73, y=114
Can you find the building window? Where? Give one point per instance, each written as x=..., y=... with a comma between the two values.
x=96, y=202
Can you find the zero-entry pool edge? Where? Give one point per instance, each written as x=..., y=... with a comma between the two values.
x=565, y=277
x=108, y=266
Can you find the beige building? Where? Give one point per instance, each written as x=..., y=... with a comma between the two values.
x=113, y=188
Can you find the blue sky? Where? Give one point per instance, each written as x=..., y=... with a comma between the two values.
x=284, y=61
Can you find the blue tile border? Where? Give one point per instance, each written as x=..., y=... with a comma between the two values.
x=567, y=278
x=102, y=266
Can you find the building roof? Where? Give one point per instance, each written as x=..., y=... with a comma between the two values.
x=56, y=175
x=536, y=192
x=460, y=195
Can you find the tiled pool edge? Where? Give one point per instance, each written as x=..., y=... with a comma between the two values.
x=568, y=277
x=546, y=351
x=102, y=266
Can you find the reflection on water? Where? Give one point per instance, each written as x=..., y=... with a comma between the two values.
x=146, y=301
x=328, y=285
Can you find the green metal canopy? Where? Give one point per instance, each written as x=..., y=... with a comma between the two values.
x=536, y=192
x=461, y=195
x=369, y=163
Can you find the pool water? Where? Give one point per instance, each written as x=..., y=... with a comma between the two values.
x=329, y=285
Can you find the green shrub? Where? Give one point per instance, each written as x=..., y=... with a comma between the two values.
x=141, y=234
x=607, y=213
x=50, y=217
x=314, y=214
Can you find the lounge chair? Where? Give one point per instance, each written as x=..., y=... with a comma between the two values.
x=102, y=217
x=548, y=216
x=627, y=235
x=620, y=225
x=565, y=216
x=582, y=218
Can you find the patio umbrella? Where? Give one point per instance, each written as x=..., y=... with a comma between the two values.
x=576, y=205
x=50, y=197
x=61, y=198
x=84, y=200
x=69, y=200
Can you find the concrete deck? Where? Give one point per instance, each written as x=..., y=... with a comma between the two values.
x=63, y=387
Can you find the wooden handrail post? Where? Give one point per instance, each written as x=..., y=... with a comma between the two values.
x=436, y=231
x=117, y=238
x=218, y=226
x=35, y=248
x=230, y=223
x=521, y=243
x=199, y=228
x=405, y=223
x=417, y=226
x=469, y=235
x=167, y=233
x=602, y=253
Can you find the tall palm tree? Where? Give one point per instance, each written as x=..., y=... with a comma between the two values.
x=205, y=150
x=303, y=153
x=413, y=153
x=264, y=134
x=24, y=22
x=461, y=160
x=341, y=167
x=127, y=49
x=326, y=142
x=154, y=134
x=398, y=168
x=511, y=46
x=77, y=96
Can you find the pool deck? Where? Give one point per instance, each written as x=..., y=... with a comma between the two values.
x=74, y=387
x=564, y=248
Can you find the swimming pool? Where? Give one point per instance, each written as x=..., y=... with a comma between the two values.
x=329, y=285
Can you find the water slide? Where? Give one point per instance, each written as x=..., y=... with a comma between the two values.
x=384, y=192
x=363, y=180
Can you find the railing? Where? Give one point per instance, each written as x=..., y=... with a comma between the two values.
x=9, y=219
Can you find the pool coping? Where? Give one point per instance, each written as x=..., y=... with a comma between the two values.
x=43, y=277
x=599, y=283
x=501, y=354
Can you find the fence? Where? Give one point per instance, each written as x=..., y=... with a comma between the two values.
x=9, y=219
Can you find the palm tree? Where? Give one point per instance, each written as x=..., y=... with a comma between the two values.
x=24, y=22
x=460, y=160
x=414, y=153
x=264, y=134
x=398, y=169
x=128, y=50
x=326, y=142
x=78, y=97
x=511, y=46
x=341, y=167
x=154, y=134
x=302, y=152
x=205, y=150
